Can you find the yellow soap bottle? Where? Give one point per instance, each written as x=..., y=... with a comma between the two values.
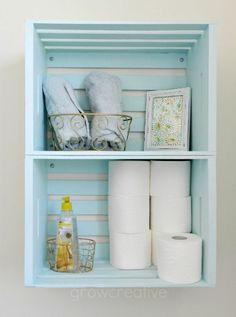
x=67, y=253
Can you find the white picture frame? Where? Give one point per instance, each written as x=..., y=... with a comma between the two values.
x=168, y=119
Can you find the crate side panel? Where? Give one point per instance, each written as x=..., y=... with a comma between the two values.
x=37, y=69
x=198, y=80
x=203, y=212
x=29, y=223
x=40, y=211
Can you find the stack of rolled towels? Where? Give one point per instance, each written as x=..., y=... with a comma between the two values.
x=130, y=237
x=175, y=251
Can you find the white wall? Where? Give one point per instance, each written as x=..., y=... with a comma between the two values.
x=15, y=300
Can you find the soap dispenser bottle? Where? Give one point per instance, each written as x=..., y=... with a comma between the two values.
x=67, y=254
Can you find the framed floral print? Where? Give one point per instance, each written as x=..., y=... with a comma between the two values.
x=168, y=119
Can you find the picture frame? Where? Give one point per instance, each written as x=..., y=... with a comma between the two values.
x=168, y=119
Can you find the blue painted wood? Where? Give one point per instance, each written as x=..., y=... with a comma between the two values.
x=138, y=124
x=203, y=212
x=129, y=103
x=102, y=252
x=134, y=144
x=198, y=79
x=115, y=44
x=35, y=217
x=85, y=228
x=200, y=66
x=77, y=187
x=143, y=26
x=29, y=240
x=115, y=60
x=53, y=281
x=35, y=72
x=83, y=166
x=132, y=82
x=89, y=207
x=102, y=269
x=211, y=222
x=121, y=155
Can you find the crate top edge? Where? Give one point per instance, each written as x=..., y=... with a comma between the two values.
x=200, y=25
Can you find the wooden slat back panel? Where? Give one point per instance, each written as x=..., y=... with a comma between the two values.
x=86, y=183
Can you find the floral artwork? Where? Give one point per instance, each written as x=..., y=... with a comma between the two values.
x=167, y=119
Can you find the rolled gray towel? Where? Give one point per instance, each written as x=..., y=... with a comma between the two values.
x=72, y=132
x=104, y=92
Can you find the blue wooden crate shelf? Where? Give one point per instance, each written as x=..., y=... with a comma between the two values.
x=146, y=56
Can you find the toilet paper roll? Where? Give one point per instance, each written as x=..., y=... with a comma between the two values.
x=154, y=247
x=129, y=178
x=171, y=214
x=179, y=258
x=170, y=178
x=130, y=251
x=128, y=214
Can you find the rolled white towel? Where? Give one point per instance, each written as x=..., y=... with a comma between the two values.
x=104, y=92
x=72, y=132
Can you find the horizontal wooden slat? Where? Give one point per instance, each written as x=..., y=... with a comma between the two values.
x=162, y=36
x=77, y=176
x=85, y=228
x=97, y=25
x=115, y=60
x=77, y=187
x=81, y=217
x=98, y=239
x=133, y=82
x=121, y=71
x=115, y=42
x=113, y=48
x=81, y=207
x=128, y=103
x=119, y=32
x=83, y=166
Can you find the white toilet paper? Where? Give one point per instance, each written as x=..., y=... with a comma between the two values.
x=129, y=178
x=170, y=178
x=128, y=214
x=130, y=251
x=171, y=214
x=154, y=247
x=179, y=258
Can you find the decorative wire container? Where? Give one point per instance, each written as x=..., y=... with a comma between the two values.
x=70, y=132
x=86, y=248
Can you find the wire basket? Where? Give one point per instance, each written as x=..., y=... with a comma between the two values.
x=71, y=132
x=86, y=254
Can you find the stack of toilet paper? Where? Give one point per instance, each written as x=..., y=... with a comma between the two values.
x=130, y=237
x=170, y=200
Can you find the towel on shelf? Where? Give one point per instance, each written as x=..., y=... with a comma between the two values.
x=72, y=131
x=104, y=92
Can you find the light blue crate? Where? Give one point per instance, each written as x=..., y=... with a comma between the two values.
x=146, y=56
